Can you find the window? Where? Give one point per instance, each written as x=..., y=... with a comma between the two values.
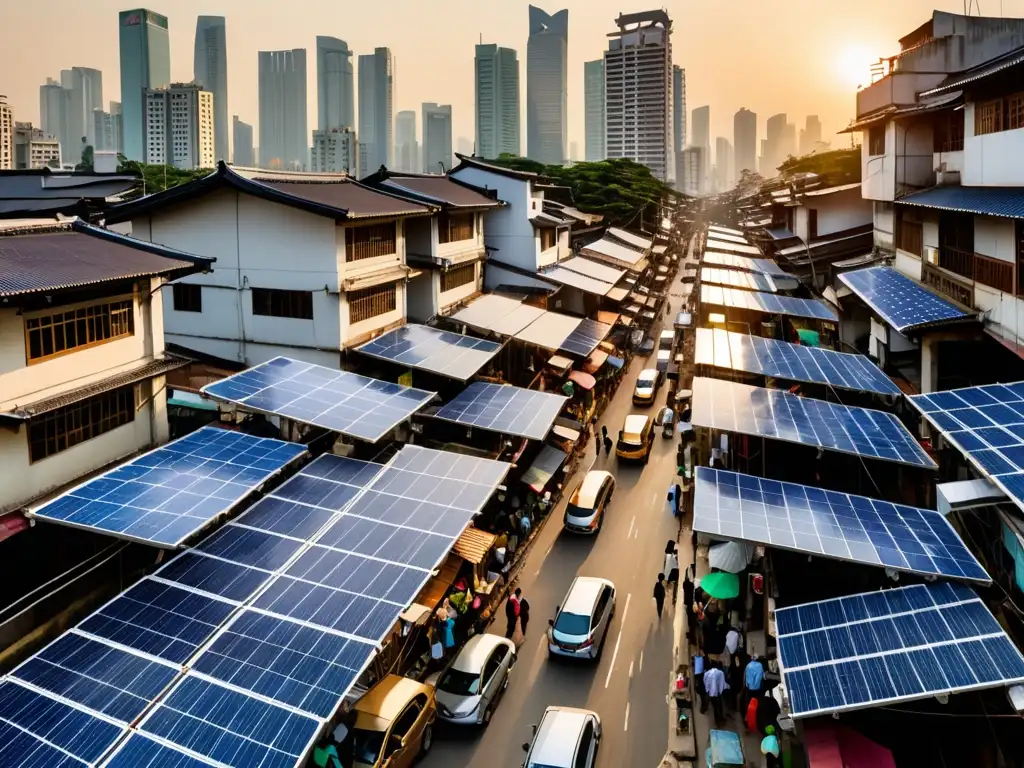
x=492, y=665
x=370, y=302
x=949, y=132
x=457, y=277
x=876, y=140
x=272, y=302
x=910, y=237
x=812, y=223
x=67, y=427
x=187, y=297
x=548, y=238
x=1015, y=111
x=58, y=333
x=988, y=117
x=453, y=227
x=370, y=241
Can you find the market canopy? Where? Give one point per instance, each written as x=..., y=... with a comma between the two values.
x=766, y=302
x=505, y=409
x=429, y=349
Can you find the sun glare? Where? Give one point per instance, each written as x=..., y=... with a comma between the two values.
x=853, y=67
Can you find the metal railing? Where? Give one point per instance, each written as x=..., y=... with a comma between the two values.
x=981, y=269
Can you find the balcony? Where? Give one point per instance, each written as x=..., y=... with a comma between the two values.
x=958, y=271
x=954, y=288
x=898, y=88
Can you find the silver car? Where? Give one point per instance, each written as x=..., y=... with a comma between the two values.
x=581, y=623
x=471, y=687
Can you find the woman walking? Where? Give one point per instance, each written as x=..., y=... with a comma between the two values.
x=672, y=568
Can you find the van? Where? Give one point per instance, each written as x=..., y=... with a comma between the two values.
x=666, y=340
x=566, y=737
x=581, y=623
x=635, y=438
x=394, y=723
x=585, y=511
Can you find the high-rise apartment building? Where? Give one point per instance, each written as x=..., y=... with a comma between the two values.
x=210, y=70
x=33, y=149
x=593, y=109
x=724, y=179
x=788, y=146
x=437, y=137
x=179, y=126
x=772, y=153
x=334, y=151
x=700, y=122
x=744, y=136
x=86, y=86
x=145, y=52
x=678, y=109
x=54, y=105
x=6, y=135
x=546, y=89
x=376, y=111
x=497, y=101
x=109, y=129
x=693, y=171
x=407, y=148
x=244, y=154
x=638, y=92
x=284, y=140
x=334, y=86
x=810, y=135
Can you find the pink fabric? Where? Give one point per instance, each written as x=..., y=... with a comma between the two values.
x=836, y=746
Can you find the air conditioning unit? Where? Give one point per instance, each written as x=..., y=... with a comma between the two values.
x=931, y=254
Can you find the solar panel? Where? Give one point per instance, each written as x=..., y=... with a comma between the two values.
x=250, y=547
x=713, y=244
x=795, y=362
x=766, y=302
x=230, y=727
x=549, y=330
x=894, y=645
x=986, y=424
x=429, y=349
x=745, y=263
x=165, y=496
x=506, y=409
x=140, y=751
x=584, y=340
x=357, y=575
x=734, y=278
x=585, y=283
x=212, y=575
x=779, y=415
x=340, y=401
x=898, y=300
x=388, y=542
x=427, y=461
x=835, y=525
x=301, y=666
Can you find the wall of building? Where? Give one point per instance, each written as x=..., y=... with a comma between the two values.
x=836, y=213
x=508, y=228
x=884, y=222
x=350, y=332
x=908, y=162
x=995, y=238
x=421, y=292
x=494, y=276
x=254, y=352
x=421, y=237
x=994, y=159
x=455, y=295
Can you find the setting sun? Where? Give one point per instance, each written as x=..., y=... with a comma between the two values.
x=853, y=67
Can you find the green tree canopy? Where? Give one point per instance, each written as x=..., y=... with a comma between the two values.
x=157, y=178
x=840, y=166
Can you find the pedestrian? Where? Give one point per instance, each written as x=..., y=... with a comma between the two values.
x=735, y=678
x=607, y=445
x=750, y=720
x=672, y=568
x=679, y=500
x=659, y=593
x=604, y=431
x=691, y=618
x=770, y=747
x=524, y=613
x=715, y=684
x=698, y=680
x=670, y=503
x=767, y=712
x=512, y=612
x=732, y=641
x=597, y=445
x=753, y=676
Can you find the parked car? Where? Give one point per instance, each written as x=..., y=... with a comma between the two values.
x=635, y=438
x=394, y=723
x=666, y=340
x=566, y=737
x=585, y=511
x=581, y=623
x=646, y=388
x=470, y=688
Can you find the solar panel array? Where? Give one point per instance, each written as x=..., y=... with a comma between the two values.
x=505, y=409
x=766, y=302
x=429, y=349
x=745, y=263
x=795, y=362
x=750, y=281
x=778, y=415
x=893, y=645
x=987, y=425
x=166, y=496
x=141, y=751
x=898, y=300
x=344, y=402
x=834, y=525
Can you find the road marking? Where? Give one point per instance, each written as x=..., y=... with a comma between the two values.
x=630, y=669
x=625, y=725
x=544, y=558
x=631, y=522
x=636, y=533
x=641, y=661
x=618, y=640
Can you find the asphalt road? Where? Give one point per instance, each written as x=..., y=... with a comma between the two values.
x=628, y=684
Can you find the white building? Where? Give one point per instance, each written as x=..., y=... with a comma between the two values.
x=308, y=264
x=638, y=92
x=179, y=126
x=6, y=135
x=109, y=129
x=334, y=151
x=33, y=149
x=82, y=360
x=693, y=165
x=284, y=140
x=724, y=179
x=335, y=94
x=437, y=137
x=593, y=109
x=497, y=101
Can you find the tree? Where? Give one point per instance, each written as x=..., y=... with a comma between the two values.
x=87, y=159
x=838, y=166
x=157, y=178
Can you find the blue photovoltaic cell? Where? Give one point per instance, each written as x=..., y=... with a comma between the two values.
x=54, y=725
x=987, y=425
x=342, y=469
x=834, y=525
x=231, y=581
x=344, y=402
x=779, y=415
x=898, y=300
x=505, y=409
x=427, y=461
x=98, y=676
x=289, y=518
x=584, y=340
x=159, y=619
x=429, y=349
x=167, y=495
x=140, y=751
x=731, y=260
x=406, y=546
x=230, y=727
x=359, y=575
x=893, y=645
x=304, y=667
x=766, y=302
x=257, y=549
x=780, y=359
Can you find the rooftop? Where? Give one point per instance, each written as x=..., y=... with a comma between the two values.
x=467, y=161
x=432, y=189
x=48, y=192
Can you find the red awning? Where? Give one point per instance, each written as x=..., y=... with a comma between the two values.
x=1014, y=346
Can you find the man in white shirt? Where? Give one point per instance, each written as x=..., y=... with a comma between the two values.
x=732, y=641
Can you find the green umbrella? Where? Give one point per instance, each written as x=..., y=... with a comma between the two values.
x=721, y=585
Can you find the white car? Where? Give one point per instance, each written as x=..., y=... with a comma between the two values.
x=468, y=691
x=566, y=737
x=581, y=623
x=646, y=386
x=586, y=508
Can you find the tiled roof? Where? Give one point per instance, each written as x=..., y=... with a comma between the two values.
x=1007, y=202
x=473, y=162
x=50, y=192
x=348, y=197
x=442, y=190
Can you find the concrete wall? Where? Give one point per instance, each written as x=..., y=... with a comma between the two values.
x=836, y=213
x=908, y=162
x=995, y=238
x=495, y=275
x=508, y=228
x=993, y=159
x=422, y=292
x=884, y=222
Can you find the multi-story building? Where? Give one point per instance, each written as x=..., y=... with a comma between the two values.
x=376, y=111
x=775, y=138
x=53, y=110
x=497, y=101
x=700, y=121
x=437, y=137
x=145, y=63
x=6, y=135
x=810, y=135
x=334, y=85
x=546, y=87
x=694, y=173
x=109, y=129
x=593, y=109
x=179, y=126
x=678, y=109
x=724, y=179
x=33, y=149
x=244, y=153
x=638, y=92
x=407, y=148
x=86, y=95
x=210, y=70
x=744, y=136
x=282, y=90
x=334, y=151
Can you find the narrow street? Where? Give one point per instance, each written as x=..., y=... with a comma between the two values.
x=628, y=684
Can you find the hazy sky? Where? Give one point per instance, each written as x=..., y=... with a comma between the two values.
x=795, y=56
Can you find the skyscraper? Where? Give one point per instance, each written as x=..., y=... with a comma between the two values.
x=407, y=155
x=6, y=135
x=546, y=90
x=638, y=92
x=179, y=126
x=810, y=135
x=241, y=142
x=437, y=137
x=497, y=101
x=788, y=146
x=376, y=117
x=723, y=165
x=678, y=109
x=210, y=70
x=145, y=51
x=54, y=104
x=284, y=140
x=109, y=129
x=593, y=109
x=85, y=97
x=774, y=130
x=334, y=91
x=700, y=122
x=744, y=136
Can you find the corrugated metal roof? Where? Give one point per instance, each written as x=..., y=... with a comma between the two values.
x=630, y=239
x=780, y=233
x=442, y=189
x=957, y=82
x=347, y=196
x=1007, y=202
x=473, y=545
x=832, y=190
